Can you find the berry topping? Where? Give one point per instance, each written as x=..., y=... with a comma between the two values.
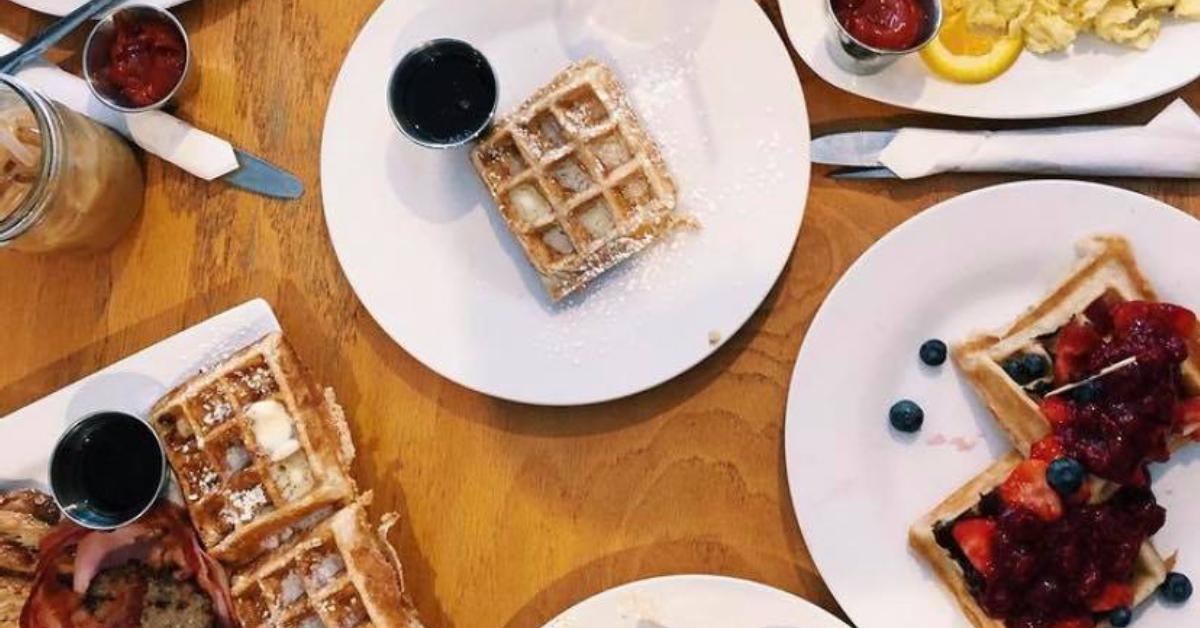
x=1065, y=475
x=1075, y=622
x=1176, y=588
x=1113, y=596
x=1057, y=411
x=1027, y=488
x=1117, y=424
x=1180, y=321
x=1073, y=344
x=1047, y=449
x=906, y=416
x=977, y=539
x=1121, y=617
x=933, y=352
x=1088, y=392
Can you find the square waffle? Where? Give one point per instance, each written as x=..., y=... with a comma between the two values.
x=577, y=179
x=340, y=574
x=1106, y=269
x=256, y=448
x=1150, y=569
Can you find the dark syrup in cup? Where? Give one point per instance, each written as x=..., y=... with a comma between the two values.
x=107, y=470
x=443, y=94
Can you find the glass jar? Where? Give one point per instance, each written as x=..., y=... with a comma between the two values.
x=66, y=182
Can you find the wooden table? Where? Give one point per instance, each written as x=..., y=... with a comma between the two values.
x=512, y=513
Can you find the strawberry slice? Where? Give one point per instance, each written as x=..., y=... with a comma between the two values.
x=977, y=539
x=1071, y=348
x=1027, y=488
x=1180, y=320
x=1048, y=449
x=1113, y=595
x=1187, y=417
x=1057, y=411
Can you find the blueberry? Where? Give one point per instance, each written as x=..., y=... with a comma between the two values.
x=933, y=352
x=906, y=416
x=1015, y=367
x=1120, y=617
x=1087, y=393
x=1035, y=365
x=1065, y=475
x=1176, y=588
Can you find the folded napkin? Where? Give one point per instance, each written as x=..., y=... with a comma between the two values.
x=1168, y=147
x=161, y=134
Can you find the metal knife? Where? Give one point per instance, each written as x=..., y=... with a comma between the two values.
x=258, y=176
x=859, y=151
x=43, y=41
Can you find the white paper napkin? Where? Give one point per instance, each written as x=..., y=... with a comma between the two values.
x=1169, y=146
x=202, y=154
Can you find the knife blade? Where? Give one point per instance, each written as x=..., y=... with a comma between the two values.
x=258, y=176
x=856, y=148
x=43, y=41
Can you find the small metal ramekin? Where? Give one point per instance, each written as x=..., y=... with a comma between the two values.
x=80, y=512
x=404, y=125
x=856, y=57
x=96, y=48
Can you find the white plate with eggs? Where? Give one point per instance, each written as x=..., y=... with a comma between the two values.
x=1093, y=75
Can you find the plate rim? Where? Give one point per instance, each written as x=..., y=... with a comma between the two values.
x=685, y=578
x=788, y=10
x=791, y=431
x=804, y=144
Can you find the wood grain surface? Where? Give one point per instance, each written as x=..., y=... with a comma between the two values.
x=511, y=513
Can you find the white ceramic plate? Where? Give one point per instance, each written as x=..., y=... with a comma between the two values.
x=695, y=602
x=972, y=263
x=419, y=241
x=132, y=385
x=63, y=7
x=1095, y=76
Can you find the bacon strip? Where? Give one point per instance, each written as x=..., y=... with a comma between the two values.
x=163, y=538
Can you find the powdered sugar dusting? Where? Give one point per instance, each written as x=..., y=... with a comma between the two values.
x=666, y=94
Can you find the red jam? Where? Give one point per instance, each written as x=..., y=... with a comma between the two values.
x=883, y=24
x=1037, y=573
x=1129, y=419
x=146, y=60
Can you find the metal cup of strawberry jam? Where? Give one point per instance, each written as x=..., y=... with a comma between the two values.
x=867, y=36
x=138, y=58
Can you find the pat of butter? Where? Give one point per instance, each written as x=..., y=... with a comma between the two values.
x=273, y=429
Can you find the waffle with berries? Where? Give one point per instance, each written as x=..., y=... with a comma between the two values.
x=577, y=179
x=257, y=448
x=996, y=580
x=1021, y=371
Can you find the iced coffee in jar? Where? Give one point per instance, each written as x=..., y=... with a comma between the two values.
x=66, y=182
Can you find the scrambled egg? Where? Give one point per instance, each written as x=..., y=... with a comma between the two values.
x=1053, y=25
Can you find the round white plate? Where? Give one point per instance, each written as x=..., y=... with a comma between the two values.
x=421, y=244
x=972, y=263
x=694, y=602
x=63, y=7
x=1094, y=76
